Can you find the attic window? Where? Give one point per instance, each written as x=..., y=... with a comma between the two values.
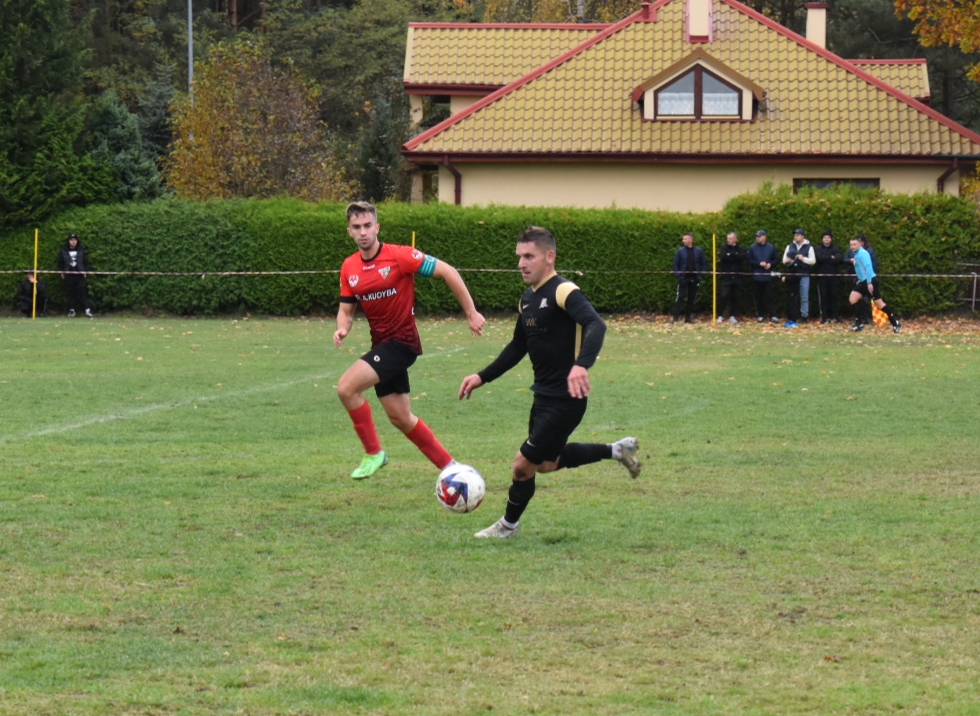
x=700, y=88
x=698, y=94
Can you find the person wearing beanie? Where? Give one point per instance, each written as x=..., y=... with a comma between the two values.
x=827, y=267
x=74, y=268
x=762, y=256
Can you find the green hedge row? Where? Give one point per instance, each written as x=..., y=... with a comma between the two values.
x=620, y=258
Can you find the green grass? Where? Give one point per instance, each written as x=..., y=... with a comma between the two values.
x=179, y=534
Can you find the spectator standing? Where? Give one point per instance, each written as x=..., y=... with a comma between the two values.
x=799, y=259
x=761, y=256
x=25, y=295
x=829, y=260
x=74, y=268
x=731, y=261
x=689, y=265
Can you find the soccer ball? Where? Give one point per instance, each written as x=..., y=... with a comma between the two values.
x=460, y=488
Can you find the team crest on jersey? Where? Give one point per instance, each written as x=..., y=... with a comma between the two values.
x=352, y=280
x=385, y=271
x=416, y=254
x=544, y=303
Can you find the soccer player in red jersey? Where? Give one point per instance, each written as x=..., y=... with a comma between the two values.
x=380, y=278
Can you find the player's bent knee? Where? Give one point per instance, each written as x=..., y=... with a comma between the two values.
x=404, y=423
x=347, y=391
x=523, y=469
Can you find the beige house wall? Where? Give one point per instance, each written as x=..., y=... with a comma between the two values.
x=457, y=103
x=675, y=187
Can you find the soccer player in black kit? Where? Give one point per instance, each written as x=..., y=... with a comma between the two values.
x=561, y=331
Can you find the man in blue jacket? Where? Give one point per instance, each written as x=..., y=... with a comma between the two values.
x=762, y=257
x=690, y=264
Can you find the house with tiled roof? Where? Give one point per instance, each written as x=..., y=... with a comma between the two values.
x=679, y=106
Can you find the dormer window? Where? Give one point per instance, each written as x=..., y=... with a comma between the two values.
x=698, y=88
x=698, y=94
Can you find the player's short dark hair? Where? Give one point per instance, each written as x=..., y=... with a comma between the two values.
x=355, y=208
x=539, y=236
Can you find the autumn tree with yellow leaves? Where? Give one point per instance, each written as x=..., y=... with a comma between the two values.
x=953, y=23
x=251, y=129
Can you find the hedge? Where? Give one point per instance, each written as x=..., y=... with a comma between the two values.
x=620, y=258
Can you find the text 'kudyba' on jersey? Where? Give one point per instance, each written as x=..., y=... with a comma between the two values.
x=384, y=288
x=558, y=328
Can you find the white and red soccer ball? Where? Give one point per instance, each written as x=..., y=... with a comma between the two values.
x=460, y=488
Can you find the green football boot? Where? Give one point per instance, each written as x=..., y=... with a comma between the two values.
x=370, y=465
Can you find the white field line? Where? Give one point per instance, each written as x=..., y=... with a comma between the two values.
x=157, y=407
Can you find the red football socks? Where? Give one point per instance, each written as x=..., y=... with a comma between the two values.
x=364, y=427
x=426, y=441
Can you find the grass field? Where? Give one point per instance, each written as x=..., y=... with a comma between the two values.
x=179, y=534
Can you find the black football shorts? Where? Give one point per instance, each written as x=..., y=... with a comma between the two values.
x=391, y=361
x=552, y=422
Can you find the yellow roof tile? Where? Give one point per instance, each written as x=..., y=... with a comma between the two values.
x=459, y=54
x=815, y=102
x=908, y=76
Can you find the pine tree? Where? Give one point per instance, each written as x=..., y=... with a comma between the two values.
x=114, y=139
x=154, y=119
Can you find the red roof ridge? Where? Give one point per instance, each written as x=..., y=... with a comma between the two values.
x=905, y=61
x=510, y=25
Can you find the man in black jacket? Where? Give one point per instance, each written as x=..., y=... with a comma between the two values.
x=731, y=262
x=762, y=256
x=828, y=264
x=74, y=268
x=689, y=265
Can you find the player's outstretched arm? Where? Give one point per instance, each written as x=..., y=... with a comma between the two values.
x=455, y=282
x=470, y=383
x=345, y=319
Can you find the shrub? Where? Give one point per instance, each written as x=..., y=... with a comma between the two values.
x=620, y=258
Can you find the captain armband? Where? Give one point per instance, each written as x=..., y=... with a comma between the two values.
x=428, y=267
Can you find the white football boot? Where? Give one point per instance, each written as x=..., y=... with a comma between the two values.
x=625, y=451
x=498, y=529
